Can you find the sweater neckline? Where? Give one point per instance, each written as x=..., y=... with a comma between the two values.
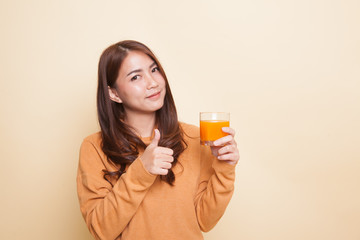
x=147, y=140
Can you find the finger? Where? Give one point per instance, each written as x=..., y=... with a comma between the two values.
x=224, y=140
x=162, y=171
x=214, y=150
x=166, y=165
x=227, y=149
x=164, y=150
x=231, y=162
x=229, y=157
x=164, y=158
x=229, y=130
x=156, y=138
x=168, y=159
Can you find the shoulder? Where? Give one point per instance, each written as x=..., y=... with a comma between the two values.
x=94, y=139
x=191, y=134
x=92, y=143
x=92, y=158
x=190, y=130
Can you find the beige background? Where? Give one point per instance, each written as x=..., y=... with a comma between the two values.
x=288, y=71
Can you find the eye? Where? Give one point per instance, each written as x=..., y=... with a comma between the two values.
x=155, y=69
x=135, y=78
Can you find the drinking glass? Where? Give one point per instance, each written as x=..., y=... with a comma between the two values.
x=211, y=124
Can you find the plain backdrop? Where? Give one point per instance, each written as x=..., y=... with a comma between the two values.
x=287, y=70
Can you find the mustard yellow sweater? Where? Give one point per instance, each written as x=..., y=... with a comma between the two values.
x=140, y=206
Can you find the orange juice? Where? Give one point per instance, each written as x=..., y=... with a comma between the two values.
x=210, y=130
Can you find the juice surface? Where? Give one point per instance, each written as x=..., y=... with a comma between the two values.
x=210, y=130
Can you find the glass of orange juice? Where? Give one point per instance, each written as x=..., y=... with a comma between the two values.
x=211, y=124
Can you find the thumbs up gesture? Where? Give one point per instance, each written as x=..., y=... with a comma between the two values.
x=157, y=160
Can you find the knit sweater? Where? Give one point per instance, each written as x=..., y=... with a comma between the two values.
x=141, y=206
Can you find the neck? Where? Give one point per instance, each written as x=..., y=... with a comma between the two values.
x=142, y=123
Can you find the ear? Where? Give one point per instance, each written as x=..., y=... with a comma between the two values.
x=113, y=95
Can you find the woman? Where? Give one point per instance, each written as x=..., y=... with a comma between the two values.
x=145, y=175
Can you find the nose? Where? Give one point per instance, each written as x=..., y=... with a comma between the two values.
x=151, y=82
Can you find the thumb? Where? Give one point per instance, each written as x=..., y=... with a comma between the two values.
x=156, y=138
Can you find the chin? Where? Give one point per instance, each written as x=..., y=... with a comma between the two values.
x=158, y=107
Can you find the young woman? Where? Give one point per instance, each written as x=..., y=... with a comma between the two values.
x=145, y=175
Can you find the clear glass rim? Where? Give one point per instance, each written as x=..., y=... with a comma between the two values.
x=214, y=116
x=216, y=112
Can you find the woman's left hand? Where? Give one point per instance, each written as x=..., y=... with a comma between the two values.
x=225, y=148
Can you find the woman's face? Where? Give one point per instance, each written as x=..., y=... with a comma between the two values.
x=140, y=87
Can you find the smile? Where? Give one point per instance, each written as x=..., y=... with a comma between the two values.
x=154, y=96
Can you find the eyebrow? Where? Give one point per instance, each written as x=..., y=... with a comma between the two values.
x=134, y=71
x=153, y=64
x=140, y=70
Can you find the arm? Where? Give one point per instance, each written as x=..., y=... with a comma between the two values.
x=106, y=209
x=216, y=180
x=215, y=190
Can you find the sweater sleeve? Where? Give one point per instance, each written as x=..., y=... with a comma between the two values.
x=215, y=189
x=106, y=209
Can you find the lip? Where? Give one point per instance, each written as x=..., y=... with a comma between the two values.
x=154, y=96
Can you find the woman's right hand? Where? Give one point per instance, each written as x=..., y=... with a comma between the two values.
x=157, y=160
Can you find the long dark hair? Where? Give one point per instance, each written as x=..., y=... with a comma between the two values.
x=119, y=142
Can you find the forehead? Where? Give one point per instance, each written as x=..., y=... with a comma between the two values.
x=135, y=60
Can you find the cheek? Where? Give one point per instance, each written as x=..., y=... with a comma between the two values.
x=130, y=91
x=137, y=89
x=161, y=80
